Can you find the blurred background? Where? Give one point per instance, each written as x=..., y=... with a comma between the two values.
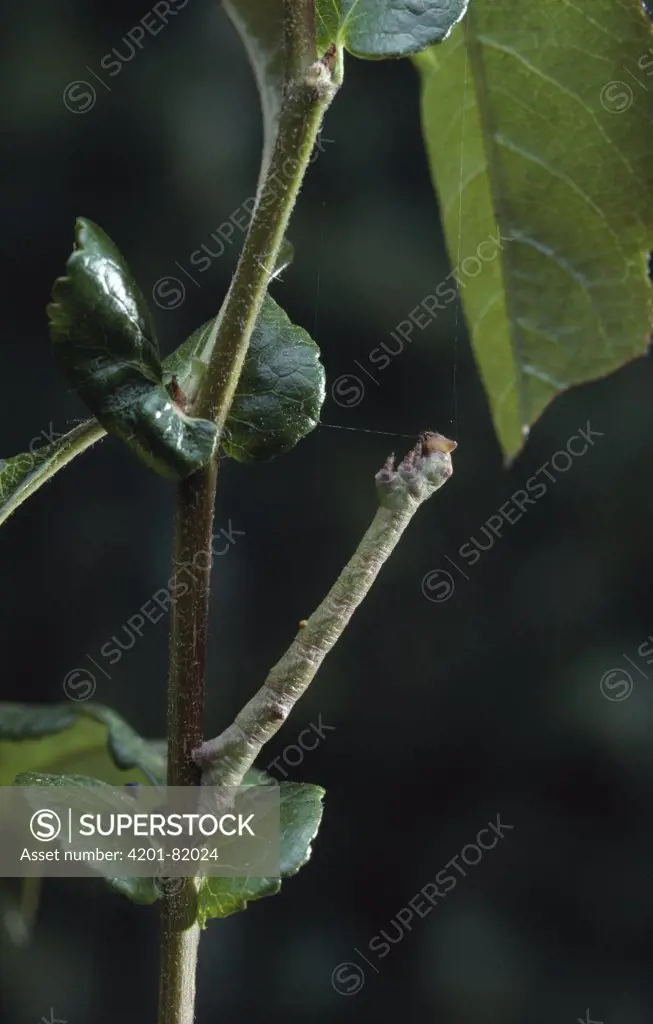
x=443, y=711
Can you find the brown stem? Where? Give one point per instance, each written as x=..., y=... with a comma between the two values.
x=306, y=99
x=188, y=625
x=188, y=633
x=299, y=36
x=309, y=88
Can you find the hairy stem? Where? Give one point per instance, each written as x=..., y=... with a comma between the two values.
x=305, y=102
x=309, y=88
x=188, y=625
x=299, y=36
x=424, y=470
x=188, y=629
x=180, y=936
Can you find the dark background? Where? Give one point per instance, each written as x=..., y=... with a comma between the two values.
x=443, y=714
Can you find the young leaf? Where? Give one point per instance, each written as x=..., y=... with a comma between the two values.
x=366, y=28
x=386, y=28
x=22, y=475
x=541, y=151
x=301, y=813
x=71, y=738
x=94, y=797
x=103, y=336
x=280, y=391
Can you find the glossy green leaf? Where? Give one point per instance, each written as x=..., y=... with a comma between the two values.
x=22, y=475
x=299, y=398
x=70, y=738
x=386, y=28
x=301, y=813
x=538, y=121
x=104, y=338
x=280, y=391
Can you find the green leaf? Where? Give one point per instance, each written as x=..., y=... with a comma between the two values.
x=298, y=398
x=386, y=28
x=535, y=130
x=280, y=391
x=103, y=336
x=22, y=475
x=59, y=781
x=258, y=777
x=105, y=800
x=92, y=740
x=301, y=813
x=366, y=28
x=128, y=749
x=139, y=890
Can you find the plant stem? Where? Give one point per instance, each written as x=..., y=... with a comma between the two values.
x=180, y=936
x=424, y=470
x=188, y=630
x=299, y=36
x=308, y=89
x=189, y=621
x=305, y=102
